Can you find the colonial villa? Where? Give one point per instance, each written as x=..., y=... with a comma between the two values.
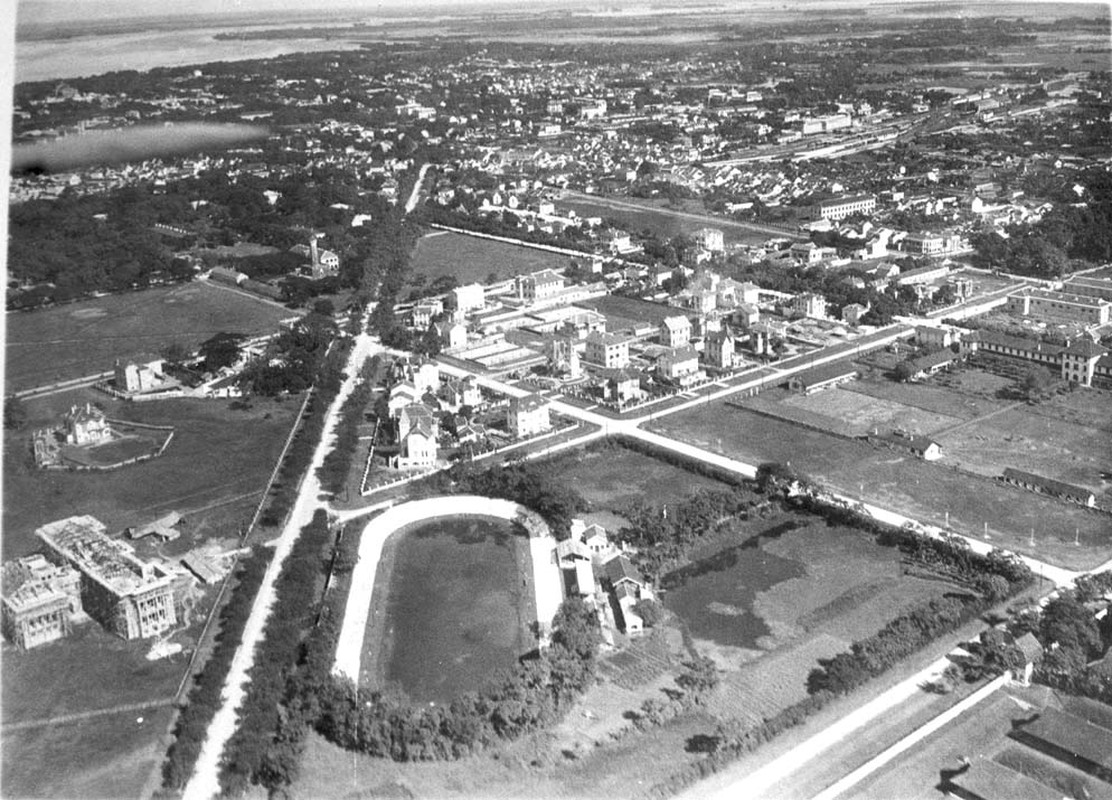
x=86, y=425
x=40, y=601
x=128, y=596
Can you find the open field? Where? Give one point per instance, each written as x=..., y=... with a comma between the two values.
x=849, y=413
x=218, y=461
x=637, y=214
x=903, y=483
x=964, y=401
x=627, y=312
x=85, y=338
x=980, y=733
x=612, y=477
x=111, y=756
x=1034, y=442
x=470, y=259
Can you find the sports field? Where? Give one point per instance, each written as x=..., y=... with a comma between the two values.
x=470, y=259
x=85, y=338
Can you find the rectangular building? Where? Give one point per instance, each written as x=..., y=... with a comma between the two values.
x=842, y=207
x=1083, y=309
x=40, y=601
x=128, y=596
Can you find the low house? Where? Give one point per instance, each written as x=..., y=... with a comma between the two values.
x=1054, y=488
x=1032, y=652
x=163, y=528
x=824, y=377
x=919, y=446
x=932, y=363
x=86, y=425
x=622, y=386
x=680, y=366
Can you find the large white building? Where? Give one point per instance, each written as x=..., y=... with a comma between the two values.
x=610, y=350
x=468, y=298
x=528, y=416
x=842, y=207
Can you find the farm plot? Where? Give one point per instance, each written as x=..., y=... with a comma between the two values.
x=1033, y=442
x=85, y=338
x=470, y=259
x=924, y=491
x=846, y=587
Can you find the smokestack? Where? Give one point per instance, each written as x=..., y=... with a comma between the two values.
x=313, y=250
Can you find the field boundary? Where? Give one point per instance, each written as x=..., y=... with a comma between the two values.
x=766, y=413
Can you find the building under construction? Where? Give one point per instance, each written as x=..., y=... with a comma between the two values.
x=40, y=601
x=128, y=596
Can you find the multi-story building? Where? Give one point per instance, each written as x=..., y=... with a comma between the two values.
x=128, y=596
x=528, y=416
x=468, y=298
x=810, y=305
x=610, y=350
x=1089, y=287
x=842, y=207
x=675, y=331
x=40, y=601
x=86, y=425
x=139, y=375
x=719, y=349
x=680, y=366
x=711, y=239
x=538, y=286
x=1059, y=305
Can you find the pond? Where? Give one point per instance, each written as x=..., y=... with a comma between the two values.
x=454, y=607
x=714, y=596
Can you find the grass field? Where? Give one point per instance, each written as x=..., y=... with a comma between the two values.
x=628, y=312
x=903, y=483
x=612, y=477
x=218, y=461
x=844, y=411
x=473, y=260
x=663, y=225
x=111, y=757
x=1037, y=443
x=84, y=338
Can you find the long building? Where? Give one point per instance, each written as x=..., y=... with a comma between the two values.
x=842, y=207
x=128, y=596
x=1043, y=303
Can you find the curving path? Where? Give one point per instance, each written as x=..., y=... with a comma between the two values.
x=546, y=577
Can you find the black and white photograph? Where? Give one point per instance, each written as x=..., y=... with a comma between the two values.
x=537, y=400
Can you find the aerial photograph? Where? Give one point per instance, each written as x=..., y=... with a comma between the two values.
x=578, y=399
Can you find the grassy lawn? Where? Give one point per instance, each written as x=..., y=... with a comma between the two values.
x=111, y=757
x=217, y=455
x=892, y=480
x=473, y=260
x=88, y=671
x=84, y=338
x=930, y=397
x=627, y=312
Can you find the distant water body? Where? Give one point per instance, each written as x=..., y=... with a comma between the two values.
x=83, y=56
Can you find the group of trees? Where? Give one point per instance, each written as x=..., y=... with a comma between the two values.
x=204, y=698
x=265, y=712
x=1074, y=638
x=535, y=694
x=334, y=471
x=663, y=533
x=529, y=484
x=294, y=358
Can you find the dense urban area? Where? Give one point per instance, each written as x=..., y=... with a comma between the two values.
x=635, y=403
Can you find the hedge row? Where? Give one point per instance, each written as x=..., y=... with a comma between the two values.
x=334, y=471
x=297, y=594
x=204, y=699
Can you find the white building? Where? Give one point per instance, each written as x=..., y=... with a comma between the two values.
x=528, y=416
x=609, y=350
x=675, y=331
x=469, y=297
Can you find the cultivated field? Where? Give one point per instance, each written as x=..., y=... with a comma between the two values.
x=85, y=338
x=903, y=483
x=470, y=259
x=218, y=463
